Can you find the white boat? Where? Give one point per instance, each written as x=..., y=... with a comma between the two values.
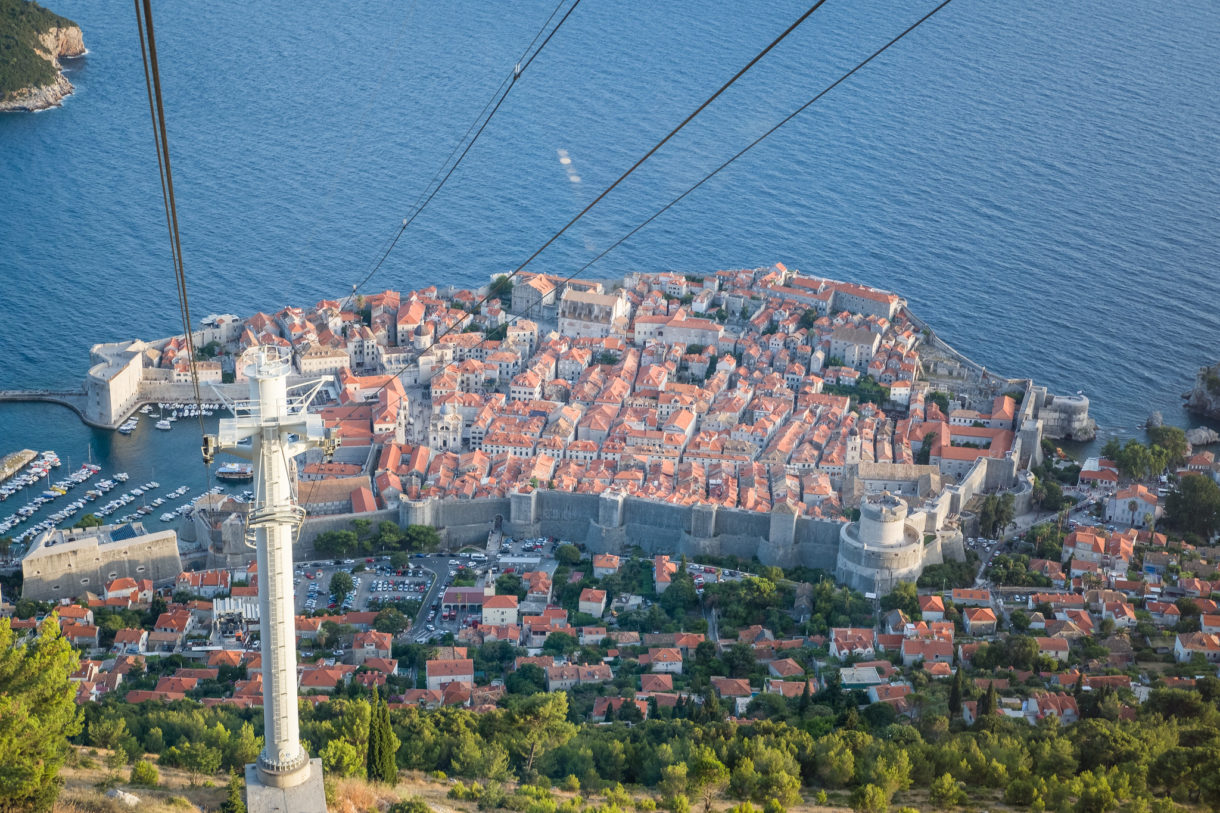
x=164, y=424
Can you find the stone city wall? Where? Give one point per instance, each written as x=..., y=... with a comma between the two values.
x=612, y=523
x=314, y=526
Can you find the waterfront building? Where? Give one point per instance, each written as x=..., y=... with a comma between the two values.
x=112, y=386
x=66, y=563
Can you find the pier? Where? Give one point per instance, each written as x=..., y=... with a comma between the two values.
x=72, y=399
x=13, y=463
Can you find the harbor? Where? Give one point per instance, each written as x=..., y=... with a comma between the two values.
x=148, y=475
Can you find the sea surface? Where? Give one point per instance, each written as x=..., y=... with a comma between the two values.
x=1040, y=180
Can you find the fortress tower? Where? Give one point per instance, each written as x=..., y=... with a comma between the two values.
x=881, y=549
x=270, y=429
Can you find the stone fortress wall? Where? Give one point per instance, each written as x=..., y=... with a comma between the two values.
x=612, y=522
x=68, y=562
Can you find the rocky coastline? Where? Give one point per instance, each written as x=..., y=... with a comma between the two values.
x=1204, y=398
x=66, y=42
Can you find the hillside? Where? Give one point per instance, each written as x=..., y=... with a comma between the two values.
x=31, y=41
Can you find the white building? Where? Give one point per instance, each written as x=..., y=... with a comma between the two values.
x=1129, y=506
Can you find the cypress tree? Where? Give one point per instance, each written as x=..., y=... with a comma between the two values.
x=987, y=703
x=235, y=801
x=955, y=693
x=372, y=757
x=381, y=763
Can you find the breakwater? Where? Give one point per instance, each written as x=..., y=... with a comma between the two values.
x=12, y=463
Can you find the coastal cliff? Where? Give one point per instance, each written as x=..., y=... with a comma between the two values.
x=32, y=40
x=1204, y=398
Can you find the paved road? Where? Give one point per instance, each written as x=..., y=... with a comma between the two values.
x=1022, y=524
x=439, y=569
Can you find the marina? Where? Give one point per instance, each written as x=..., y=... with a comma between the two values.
x=120, y=479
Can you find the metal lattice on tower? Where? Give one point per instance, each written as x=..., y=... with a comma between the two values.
x=270, y=429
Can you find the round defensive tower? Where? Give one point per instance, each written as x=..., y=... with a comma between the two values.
x=882, y=519
x=881, y=549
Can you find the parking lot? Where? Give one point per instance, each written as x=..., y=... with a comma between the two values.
x=376, y=583
x=509, y=556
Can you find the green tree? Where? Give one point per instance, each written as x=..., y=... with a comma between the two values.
x=673, y=781
x=905, y=597
x=107, y=732
x=382, y=759
x=89, y=521
x=389, y=536
x=529, y=679
x=501, y=287
x=680, y=596
x=1134, y=459
x=411, y=804
x=199, y=759
x=390, y=620
x=1194, y=505
x=560, y=643
x=946, y=792
x=421, y=538
x=340, y=758
x=341, y=586
x=708, y=775
x=891, y=773
x=956, y=691
x=739, y=659
x=243, y=749
x=1053, y=499
x=538, y=723
x=567, y=554
x=869, y=799
x=987, y=704
x=144, y=773
x=1172, y=439
x=510, y=584
x=336, y=543
x=1007, y=511
x=235, y=801
x=941, y=399
x=37, y=715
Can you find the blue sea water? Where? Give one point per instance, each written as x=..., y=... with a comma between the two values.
x=1040, y=180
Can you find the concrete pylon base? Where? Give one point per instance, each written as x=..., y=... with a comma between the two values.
x=307, y=797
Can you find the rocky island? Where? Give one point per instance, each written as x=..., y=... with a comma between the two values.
x=1204, y=398
x=32, y=39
